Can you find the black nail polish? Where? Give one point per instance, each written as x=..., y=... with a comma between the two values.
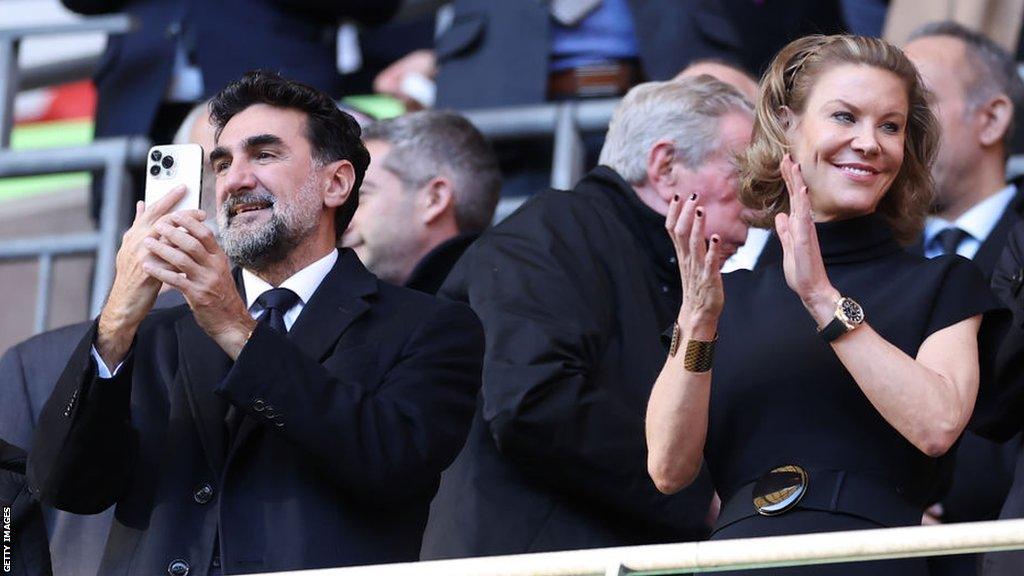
x=699, y=212
x=675, y=198
x=693, y=196
x=714, y=239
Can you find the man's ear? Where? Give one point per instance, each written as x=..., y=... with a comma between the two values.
x=995, y=117
x=341, y=177
x=660, y=163
x=437, y=198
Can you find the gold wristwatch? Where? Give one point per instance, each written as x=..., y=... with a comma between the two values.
x=848, y=315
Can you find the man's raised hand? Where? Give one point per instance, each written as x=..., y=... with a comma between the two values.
x=134, y=290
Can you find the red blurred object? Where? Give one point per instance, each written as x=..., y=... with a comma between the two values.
x=74, y=101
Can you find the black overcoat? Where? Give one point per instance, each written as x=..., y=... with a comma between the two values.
x=348, y=421
x=574, y=291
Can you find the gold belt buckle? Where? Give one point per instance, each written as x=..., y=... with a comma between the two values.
x=780, y=490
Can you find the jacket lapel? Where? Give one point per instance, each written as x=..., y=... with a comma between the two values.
x=203, y=365
x=340, y=299
x=992, y=247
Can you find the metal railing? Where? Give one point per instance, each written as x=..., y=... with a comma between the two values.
x=719, y=555
x=565, y=123
x=108, y=157
x=10, y=46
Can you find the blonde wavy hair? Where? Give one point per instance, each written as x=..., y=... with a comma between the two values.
x=788, y=82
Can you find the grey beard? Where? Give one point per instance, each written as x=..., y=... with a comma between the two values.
x=259, y=248
x=256, y=249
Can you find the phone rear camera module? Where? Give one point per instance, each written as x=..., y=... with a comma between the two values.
x=167, y=162
x=154, y=170
x=155, y=155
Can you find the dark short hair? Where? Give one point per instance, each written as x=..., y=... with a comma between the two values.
x=439, y=143
x=332, y=134
x=993, y=70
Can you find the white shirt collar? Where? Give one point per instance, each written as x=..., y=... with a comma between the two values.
x=979, y=220
x=304, y=282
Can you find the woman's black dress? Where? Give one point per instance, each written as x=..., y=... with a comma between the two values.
x=780, y=395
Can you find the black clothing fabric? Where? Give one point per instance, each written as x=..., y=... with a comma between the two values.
x=574, y=290
x=348, y=421
x=999, y=413
x=431, y=271
x=1009, y=563
x=791, y=401
x=28, y=372
x=25, y=544
x=981, y=471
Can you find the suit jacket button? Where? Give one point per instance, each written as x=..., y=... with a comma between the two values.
x=259, y=405
x=203, y=494
x=178, y=568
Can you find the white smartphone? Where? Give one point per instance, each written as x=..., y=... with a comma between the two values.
x=170, y=165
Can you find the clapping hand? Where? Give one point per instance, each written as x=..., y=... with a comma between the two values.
x=801, y=261
x=698, y=260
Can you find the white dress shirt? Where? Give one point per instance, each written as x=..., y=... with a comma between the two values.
x=977, y=222
x=304, y=283
x=746, y=256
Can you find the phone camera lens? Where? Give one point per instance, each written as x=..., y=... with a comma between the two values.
x=154, y=170
x=155, y=155
x=168, y=161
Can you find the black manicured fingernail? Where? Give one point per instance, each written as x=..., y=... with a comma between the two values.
x=675, y=198
x=699, y=212
x=714, y=239
x=693, y=196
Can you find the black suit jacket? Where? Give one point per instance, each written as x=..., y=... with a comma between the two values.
x=348, y=421
x=574, y=290
x=72, y=543
x=294, y=37
x=999, y=413
x=974, y=496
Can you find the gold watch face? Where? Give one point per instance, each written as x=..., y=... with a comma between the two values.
x=850, y=312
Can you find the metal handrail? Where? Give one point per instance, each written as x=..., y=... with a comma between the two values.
x=718, y=555
x=10, y=45
x=110, y=158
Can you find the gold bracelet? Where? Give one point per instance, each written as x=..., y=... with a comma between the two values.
x=699, y=355
x=674, y=346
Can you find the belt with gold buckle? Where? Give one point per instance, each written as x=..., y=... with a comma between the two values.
x=780, y=490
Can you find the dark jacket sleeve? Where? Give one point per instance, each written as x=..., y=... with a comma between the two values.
x=84, y=442
x=30, y=553
x=386, y=439
x=999, y=411
x=93, y=7
x=15, y=405
x=546, y=305
x=369, y=12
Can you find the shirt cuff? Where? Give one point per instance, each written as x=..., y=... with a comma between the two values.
x=101, y=367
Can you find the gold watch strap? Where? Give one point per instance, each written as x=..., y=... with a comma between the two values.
x=676, y=335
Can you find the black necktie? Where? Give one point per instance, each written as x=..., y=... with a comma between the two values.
x=950, y=238
x=275, y=303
